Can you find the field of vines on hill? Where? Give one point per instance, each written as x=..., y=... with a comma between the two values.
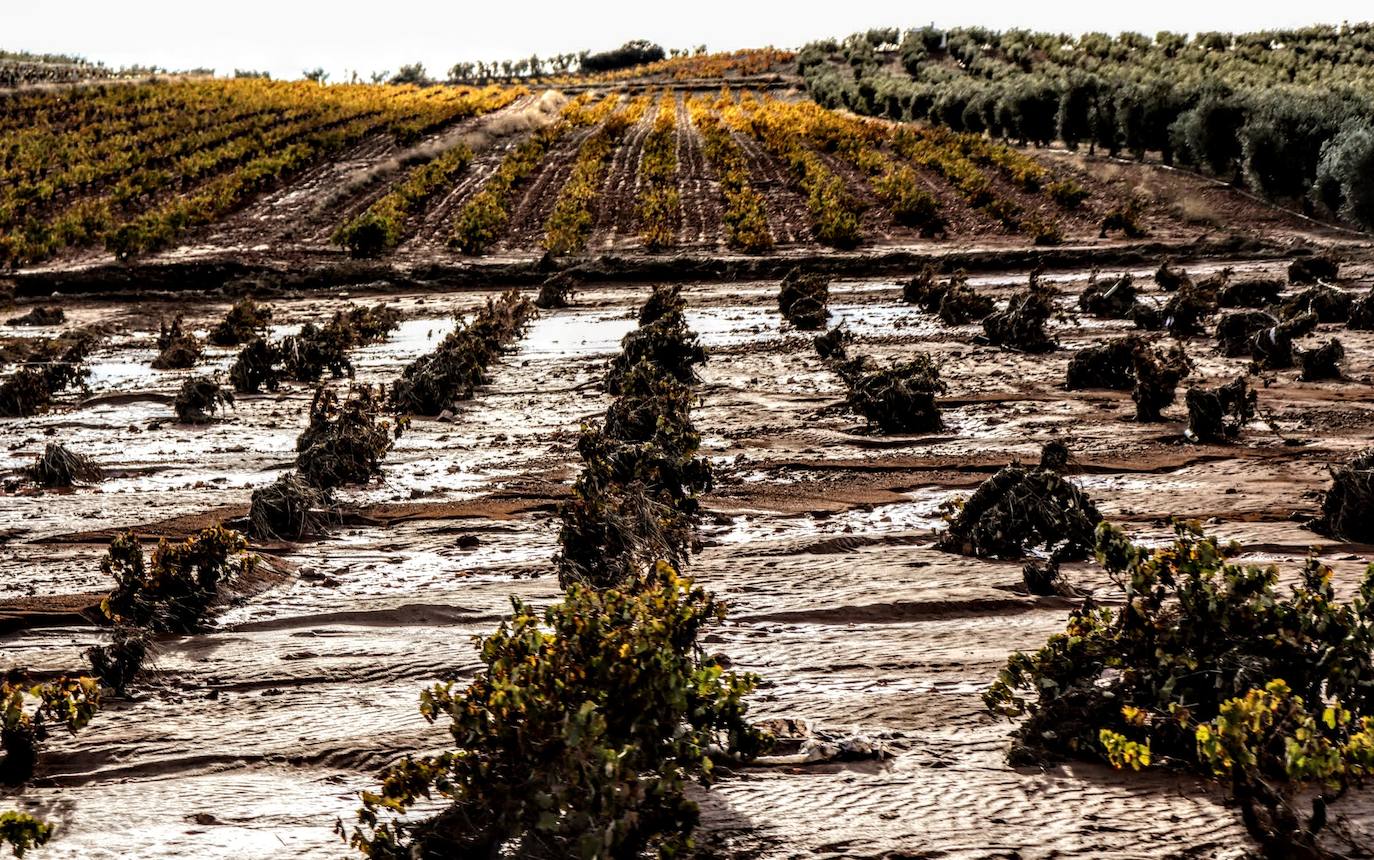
x=133, y=167
x=1286, y=111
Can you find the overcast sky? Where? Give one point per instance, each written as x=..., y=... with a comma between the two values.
x=284, y=37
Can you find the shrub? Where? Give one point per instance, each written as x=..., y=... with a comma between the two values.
x=345, y=441
x=1109, y=365
x=802, y=299
x=177, y=348
x=257, y=367
x=241, y=324
x=833, y=344
x=556, y=292
x=289, y=508
x=1019, y=509
x=1322, y=362
x=1219, y=415
x=1157, y=681
x=1253, y=293
x=1021, y=325
x=40, y=316
x=171, y=591
x=1311, y=270
x=1112, y=299
x=199, y=399
x=1067, y=193
x=1348, y=507
x=1124, y=219
x=1236, y=331
x=59, y=466
x=898, y=399
x=437, y=381
x=960, y=304
x=578, y=735
x=32, y=711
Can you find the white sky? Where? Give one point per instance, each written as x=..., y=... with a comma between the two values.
x=286, y=36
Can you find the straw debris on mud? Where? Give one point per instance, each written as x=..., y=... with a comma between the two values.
x=59, y=466
x=289, y=508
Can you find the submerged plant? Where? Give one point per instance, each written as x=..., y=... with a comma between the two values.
x=1157, y=374
x=257, y=368
x=960, y=304
x=833, y=345
x=289, y=508
x=1110, y=299
x=1021, y=325
x=32, y=711
x=1322, y=362
x=1252, y=293
x=1109, y=365
x=437, y=381
x=244, y=321
x=1023, y=508
x=802, y=299
x=121, y=662
x=1219, y=415
x=1329, y=304
x=178, y=349
x=1170, y=279
x=556, y=292
x=199, y=399
x=1236, y=331
x=1310, y=270
x=1348, y=506
x=347, y=438
x=1272, y=348
x=896, y=399
x=39, y=316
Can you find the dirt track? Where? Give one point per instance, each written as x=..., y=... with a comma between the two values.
x=252, y=739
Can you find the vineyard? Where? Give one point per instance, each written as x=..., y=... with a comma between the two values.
x=457, y=174
x=657, y=461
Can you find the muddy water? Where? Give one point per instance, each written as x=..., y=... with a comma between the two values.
x=252, y=739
